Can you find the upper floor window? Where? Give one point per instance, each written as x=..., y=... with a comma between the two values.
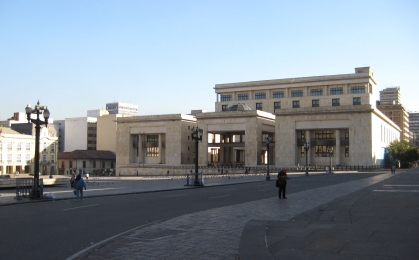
x=19, y=146
x=44, y=158
x=28, y=158
x=325, y=135
x=28, y=146
x=278, y=94
x=225, y=98
x=224, y=107
x=316, y=92
x=295, y=104
x=357, y=101
x=260, y=95
x=315, y=103
x=336, y=102
x=9, y=145
x=277, y=105
x=1, y=145
x=357, y=89
x=243, y=96
x=296, y=93
x=336, y=91
x=258, y=106
x=52, y=147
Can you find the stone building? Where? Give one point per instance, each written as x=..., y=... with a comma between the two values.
x=334, y=114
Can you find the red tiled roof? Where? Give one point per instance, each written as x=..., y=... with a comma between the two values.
x=87, y=154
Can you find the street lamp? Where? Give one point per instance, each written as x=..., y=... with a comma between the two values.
x=267, y=141
x=306, y=148
x=36, y=193
x=196, y=135
x=330, y=151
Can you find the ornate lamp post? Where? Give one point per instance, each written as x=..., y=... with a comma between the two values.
x=36, y=192
x=306, y=148
x=267, y=141
x=330, y=151
x=196, y=135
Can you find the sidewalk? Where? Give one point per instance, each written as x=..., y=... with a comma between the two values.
x=109, y=186
x=378, y=222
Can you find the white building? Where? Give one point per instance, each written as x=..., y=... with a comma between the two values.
x=80, y=133
x=122, y=108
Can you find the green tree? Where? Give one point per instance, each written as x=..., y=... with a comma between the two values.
x=403, y=151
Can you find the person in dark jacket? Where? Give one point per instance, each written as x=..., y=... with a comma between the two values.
x=282, y=183
x=80, y=184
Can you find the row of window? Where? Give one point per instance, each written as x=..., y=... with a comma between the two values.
x=321, y=151
x=294, y=93
x=18, y=158
x=296, y=104
x=19, y=146
x=84, y=163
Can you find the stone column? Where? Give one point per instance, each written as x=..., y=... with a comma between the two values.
x=309, y=151
x=160, y=150
x=337, y=149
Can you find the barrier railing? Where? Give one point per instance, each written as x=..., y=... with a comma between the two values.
x=24, y=188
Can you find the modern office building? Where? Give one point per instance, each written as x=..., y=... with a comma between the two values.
x=414, y=127
x=122, y=108
x=80, y=133
x=334, y=114
x=390, y=104
x=390, y=96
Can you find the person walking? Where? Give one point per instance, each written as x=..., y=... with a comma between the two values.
x=80, y=184
x=72, y=180
x=281, y=183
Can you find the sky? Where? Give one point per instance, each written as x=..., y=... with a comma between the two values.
x=167, y=56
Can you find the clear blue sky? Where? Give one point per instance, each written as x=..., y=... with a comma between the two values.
x=167, y=56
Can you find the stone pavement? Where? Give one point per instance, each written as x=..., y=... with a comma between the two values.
x=370, y=218
x=378, y=222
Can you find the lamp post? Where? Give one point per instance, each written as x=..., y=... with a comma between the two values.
x=330, y=151
x=36, y=193
x=267, y=141
x=196, y=135
x=306, y=148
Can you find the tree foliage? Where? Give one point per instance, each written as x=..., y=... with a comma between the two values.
x=403, y=151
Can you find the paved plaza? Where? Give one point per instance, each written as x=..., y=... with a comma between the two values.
x=371, y=218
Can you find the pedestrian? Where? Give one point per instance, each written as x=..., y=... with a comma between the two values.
x=72, y=180
x=80, y=184
x=281, y=183
x=87, y=176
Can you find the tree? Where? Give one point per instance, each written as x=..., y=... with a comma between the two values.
x=403, y=151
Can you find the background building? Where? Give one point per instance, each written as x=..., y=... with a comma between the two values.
x=80, y=133
x=414, y=127
x=390, y=104
x=85, y=161
x=122, y=108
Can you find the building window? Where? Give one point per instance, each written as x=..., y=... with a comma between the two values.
x=9, y=145
x=303, y=152
x=70, y=163
x=52, y=147
x=19, y=146
x=28, y=158
x=295, y=104
x=278, y=94
x=28, y=146
x=277, y=105
x=52, y=158
x=321, y=151
x=324, y=135
x=296, y=93
x=9, y=158
x=44, y=158
x=315, y=103
x=1, y=146
x=346, y=151
x=84, y=164
x=260, y=95
x=18, y=158
x=44, y=149
x=243, y=96
x=357, y=89
x=224, y=107
x=258, y=106
x=356, y=101
x=225, y=98
x=152, y=149
x=316, y=92
x=94, y=164
x=336, y=91
x=336, y=102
